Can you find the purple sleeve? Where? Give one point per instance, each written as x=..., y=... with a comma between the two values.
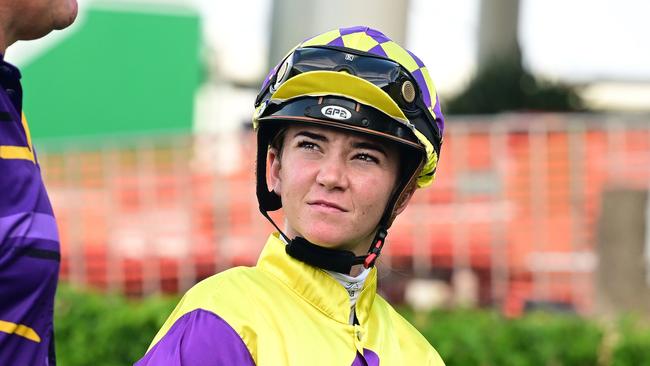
x=199, y=338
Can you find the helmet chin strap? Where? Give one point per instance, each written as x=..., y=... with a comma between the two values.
x=330, y=259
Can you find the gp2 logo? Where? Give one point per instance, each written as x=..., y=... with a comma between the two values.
x=336, y=112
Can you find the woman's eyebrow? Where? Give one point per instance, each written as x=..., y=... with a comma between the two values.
x=370, y=146
x=311, y=135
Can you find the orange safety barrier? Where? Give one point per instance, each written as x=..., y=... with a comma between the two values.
x=144, y=216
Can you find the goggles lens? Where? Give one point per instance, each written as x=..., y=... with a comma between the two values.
x=388, y=75
x=379, y=71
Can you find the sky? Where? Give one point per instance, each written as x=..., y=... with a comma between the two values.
x=588, y=40
x=599, y=43
x=570, y=40
x=576, y=41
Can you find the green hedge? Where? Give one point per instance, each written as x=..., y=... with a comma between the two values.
x=633, y=344
x=107, y=330
x=486, y=338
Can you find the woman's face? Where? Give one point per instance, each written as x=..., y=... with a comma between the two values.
x=334, y=185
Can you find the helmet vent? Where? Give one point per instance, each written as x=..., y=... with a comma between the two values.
x=408, y=91
x=282, y=74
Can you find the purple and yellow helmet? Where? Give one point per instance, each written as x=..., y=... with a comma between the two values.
x=356, y=79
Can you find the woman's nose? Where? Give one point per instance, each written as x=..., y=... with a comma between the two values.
x=331, y=174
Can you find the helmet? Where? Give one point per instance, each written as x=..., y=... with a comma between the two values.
x=354, y=79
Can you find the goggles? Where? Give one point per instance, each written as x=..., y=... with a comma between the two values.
x=384, y=73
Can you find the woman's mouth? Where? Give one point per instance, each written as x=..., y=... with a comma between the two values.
x=327, y=205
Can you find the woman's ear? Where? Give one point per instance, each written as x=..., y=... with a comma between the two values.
x=402, y=202
x=404, y=199
x=274, y=181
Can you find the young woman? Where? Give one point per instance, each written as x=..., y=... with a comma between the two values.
x=348, y=125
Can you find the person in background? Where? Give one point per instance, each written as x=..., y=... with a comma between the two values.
x=348, y=126
x=29, y=242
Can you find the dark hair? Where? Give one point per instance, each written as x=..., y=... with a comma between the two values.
x=277, y=142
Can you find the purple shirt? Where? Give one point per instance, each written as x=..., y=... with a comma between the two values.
x=29, y=240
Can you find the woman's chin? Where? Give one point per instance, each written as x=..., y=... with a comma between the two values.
x=330, y=241
x=330, y=235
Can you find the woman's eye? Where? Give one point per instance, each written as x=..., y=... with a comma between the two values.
x=367, y=157
x=307, y=145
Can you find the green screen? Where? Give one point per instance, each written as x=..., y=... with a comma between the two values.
x=121, y=73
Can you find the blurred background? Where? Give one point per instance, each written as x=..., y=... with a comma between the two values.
x=141, y=117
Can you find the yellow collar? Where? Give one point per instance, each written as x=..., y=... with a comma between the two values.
x=315, y=285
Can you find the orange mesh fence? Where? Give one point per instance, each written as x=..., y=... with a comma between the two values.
x=516, y=199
